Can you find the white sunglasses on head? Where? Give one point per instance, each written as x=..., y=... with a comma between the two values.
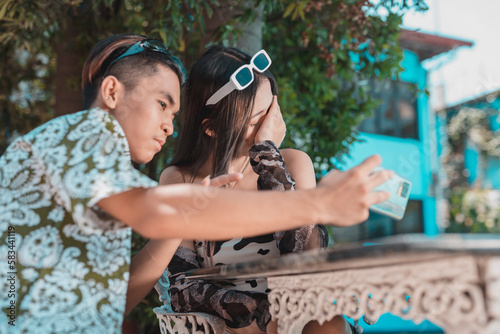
x=242, y=77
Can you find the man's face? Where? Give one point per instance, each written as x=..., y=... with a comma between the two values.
x=146, y=113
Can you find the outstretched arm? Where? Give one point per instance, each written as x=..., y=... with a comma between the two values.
x=196, y=212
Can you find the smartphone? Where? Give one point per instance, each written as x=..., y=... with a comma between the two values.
x=395, y=206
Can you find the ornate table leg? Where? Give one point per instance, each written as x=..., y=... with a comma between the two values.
x=492, y=280
x=188, y=323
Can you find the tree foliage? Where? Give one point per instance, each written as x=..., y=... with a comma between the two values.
x=324, y=54
x=324, y=64
x=38, y=30
x=473, y=210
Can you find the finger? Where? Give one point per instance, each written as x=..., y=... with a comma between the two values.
x=269, y=113
x=273, y=127
x=222, y=180
x=378, y=178
x=377, y=197
x=279, y=114
x=206, y=181
x=367, y=166
x=278, y=122
x=274, y=108
x=279, y=108
x=336, y=172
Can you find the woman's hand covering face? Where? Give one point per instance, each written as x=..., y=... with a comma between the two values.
x=273, y=127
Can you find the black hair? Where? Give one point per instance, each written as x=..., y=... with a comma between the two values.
x=227, y=120
x=128, y=69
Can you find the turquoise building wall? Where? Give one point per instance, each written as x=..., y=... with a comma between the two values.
x=415, y=159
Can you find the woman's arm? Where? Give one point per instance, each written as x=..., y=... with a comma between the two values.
x=146, y=268
x=289, y=169
x=149, y=263
x=301, y=168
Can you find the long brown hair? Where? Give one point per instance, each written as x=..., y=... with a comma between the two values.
x=227, y=120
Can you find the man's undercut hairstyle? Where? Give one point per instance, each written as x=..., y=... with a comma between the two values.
x=128, y=70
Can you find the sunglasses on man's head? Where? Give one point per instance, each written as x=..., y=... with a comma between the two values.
x=147, y=44
x=242, y=77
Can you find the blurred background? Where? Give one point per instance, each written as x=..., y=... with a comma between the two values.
x=438, y=124
x=414, y=81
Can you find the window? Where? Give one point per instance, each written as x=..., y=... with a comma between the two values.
x=397, y=114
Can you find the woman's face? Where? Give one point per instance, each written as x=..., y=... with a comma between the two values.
x=263, y=101
x=146, y=113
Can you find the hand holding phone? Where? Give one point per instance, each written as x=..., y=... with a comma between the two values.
x=395, y=206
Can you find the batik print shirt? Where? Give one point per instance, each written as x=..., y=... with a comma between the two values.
x=64, y=263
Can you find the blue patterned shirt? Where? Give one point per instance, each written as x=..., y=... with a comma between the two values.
x=64, y=262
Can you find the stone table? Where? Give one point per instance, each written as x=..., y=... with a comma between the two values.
x=451, y=280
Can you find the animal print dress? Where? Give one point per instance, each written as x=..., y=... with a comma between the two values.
x=239, y=303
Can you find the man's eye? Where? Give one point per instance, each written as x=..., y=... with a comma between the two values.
x=163, y=105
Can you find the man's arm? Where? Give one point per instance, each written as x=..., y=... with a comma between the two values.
x=197, y=212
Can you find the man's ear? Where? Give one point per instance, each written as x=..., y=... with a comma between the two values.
x=209, y=132
x=110, y=89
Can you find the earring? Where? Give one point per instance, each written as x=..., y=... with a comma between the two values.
x=106, y=98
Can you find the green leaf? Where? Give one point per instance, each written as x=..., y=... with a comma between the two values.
x=208, y=8
x=163, y=36
x=3, y=10
x=289, y=9
x=302, y=14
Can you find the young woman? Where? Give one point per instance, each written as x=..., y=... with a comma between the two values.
x=223, y=133
x=69, y=197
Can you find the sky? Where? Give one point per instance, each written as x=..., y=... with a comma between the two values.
x=466, y=72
